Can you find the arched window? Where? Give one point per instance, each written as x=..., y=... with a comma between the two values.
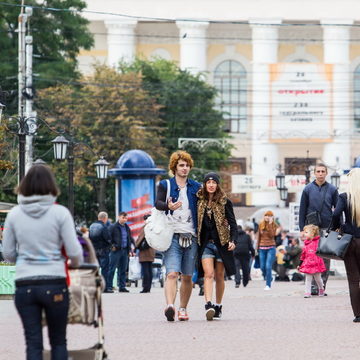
x=357, y=97
x=230, y=80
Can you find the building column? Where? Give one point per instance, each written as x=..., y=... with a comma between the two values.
x=120, y=40
x=336, y=51
x=193, y=45
x=265, y=158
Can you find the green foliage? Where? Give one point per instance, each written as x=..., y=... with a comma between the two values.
x=58, y=37
x=111, y=113
x=188, y=108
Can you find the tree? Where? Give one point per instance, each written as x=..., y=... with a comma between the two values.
x=110, y=112
x=58, y=37
x=188, y=108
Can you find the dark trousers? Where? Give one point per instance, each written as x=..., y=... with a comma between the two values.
x=242, y=261
x=352, y=266
x=30, y=301
x=103, y=259
x=119, y=260
x=146, y=268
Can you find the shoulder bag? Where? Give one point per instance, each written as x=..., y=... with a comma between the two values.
x=159, y=228
x=314, y=217
x=333, y=244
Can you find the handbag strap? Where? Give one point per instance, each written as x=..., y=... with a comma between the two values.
x=167, y=190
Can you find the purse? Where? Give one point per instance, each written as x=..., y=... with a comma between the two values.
x=333, y=244
x=159, y=227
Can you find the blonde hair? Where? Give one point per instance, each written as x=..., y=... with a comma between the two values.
x=353, y=195
x=313, y=229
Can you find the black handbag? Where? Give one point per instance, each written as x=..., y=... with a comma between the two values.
x=333, y=245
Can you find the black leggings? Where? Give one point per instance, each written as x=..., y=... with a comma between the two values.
x=352, y=265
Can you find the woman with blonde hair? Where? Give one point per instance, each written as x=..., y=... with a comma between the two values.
x=266, y=246
x=349, y=204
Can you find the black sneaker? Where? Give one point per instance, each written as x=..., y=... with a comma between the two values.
x=218, y=312
x=237, y=285
x=170, y=313
x=209, y=311
x=124, y=290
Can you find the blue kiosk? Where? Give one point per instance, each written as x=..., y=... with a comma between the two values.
x=135, y=174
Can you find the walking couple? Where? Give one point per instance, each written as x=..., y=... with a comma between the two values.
x=205, y=232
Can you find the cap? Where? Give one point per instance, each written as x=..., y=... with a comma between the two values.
x=212, y=176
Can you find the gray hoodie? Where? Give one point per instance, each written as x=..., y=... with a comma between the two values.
x=34, y=233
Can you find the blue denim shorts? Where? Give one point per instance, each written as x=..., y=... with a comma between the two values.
x=179, y=259
x=211, y=252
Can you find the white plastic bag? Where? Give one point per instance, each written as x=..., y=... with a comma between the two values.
x=159, y=230
x=134, y=269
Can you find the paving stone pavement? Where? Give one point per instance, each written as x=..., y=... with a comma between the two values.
x=256, y=324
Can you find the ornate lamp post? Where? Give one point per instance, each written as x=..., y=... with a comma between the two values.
x=64, y=149
x=335, y=179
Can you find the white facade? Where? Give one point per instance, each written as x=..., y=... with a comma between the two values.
x=251, y=51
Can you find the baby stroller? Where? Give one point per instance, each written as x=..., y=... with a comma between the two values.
x=158, y=269
x=86, y=286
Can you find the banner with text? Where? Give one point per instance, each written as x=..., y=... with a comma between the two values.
x=301, y=102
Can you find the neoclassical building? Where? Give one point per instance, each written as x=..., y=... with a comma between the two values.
x=288, y=74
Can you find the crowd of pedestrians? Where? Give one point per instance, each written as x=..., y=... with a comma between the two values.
x=207, y=242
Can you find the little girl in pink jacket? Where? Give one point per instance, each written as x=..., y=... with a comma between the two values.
x=311, y=264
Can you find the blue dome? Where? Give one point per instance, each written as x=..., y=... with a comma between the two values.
x=136, y=162
x=135, y=159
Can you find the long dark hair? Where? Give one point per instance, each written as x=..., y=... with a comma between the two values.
x=39, y=180
x=218, y=194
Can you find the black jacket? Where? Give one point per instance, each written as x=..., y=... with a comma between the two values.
x=116, y=238
x=244, y=245
x=349, y=227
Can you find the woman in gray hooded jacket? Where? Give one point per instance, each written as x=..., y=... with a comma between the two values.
x=38, y=233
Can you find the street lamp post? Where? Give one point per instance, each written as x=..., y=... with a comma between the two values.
x=64, y=149
x=335, y=179
x=21, y=126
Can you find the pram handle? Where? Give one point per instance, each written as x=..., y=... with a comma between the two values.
x=85, y=267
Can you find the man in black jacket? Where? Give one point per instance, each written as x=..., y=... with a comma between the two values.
x=122, y=242
x=100, y=238
x=244, y=249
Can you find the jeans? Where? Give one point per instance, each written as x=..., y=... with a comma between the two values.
x=118, y=259
x=211, y=252
x=242, y=261
x=179, y=259
x=146, y=268
x=103, y=258
x=30, y=301
x=267, y=258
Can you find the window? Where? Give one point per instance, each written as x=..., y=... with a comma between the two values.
x=357, y=98
x=230, y=80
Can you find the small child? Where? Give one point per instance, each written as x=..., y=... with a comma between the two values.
x=311, y=264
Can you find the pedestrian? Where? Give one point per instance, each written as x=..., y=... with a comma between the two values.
x=38, y=232
x=318, y=200
x=311, y=264
x=217, y=234
x=122, y=245
x=266, y=246
x=100, y=237
x=146, y=258
x=244, y=251
x=180, y=258
x=349, y=204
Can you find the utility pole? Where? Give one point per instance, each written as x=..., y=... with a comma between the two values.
x=25, y=93
x=29, y=91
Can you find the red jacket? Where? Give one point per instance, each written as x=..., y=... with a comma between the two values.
x=311, y=263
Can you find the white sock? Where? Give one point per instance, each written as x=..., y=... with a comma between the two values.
x=170, y=305
x=218, y=304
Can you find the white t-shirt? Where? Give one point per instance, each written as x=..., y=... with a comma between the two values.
x=182, y=217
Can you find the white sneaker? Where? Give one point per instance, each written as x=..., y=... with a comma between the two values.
x=267, y=288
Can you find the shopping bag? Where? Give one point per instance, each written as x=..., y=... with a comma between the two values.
x=134, y=269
